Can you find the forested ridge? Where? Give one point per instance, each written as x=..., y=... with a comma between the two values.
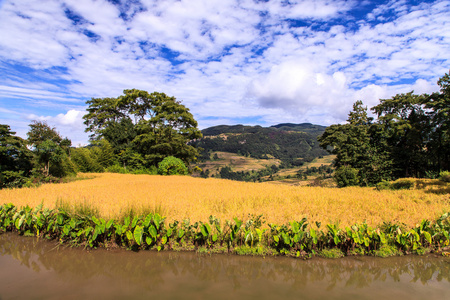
x=291, y=143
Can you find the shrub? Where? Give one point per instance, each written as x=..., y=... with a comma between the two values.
x=444, y=176
x=172, y=166
x=116, y=169
x=399, y=184
x=346, y=176
x=403, y=184
x=383, y=185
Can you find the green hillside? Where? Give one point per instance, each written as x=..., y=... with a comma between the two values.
x=292, y=144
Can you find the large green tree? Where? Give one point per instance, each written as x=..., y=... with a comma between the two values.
x=152, y=126
x=437, y=106
x=407, y=129
x=15, y=158
x=358, y=149
x=50, y=150
x=409, y=138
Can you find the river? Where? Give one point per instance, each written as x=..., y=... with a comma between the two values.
x=37, y=269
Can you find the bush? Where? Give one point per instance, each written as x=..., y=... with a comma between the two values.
x=403, y=184
x=346, y=176
x=444, y=176
x=116, y=169
x=399, y=184
x=383, y=185
x=172, y=166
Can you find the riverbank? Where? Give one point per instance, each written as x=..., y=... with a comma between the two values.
x=244, y=237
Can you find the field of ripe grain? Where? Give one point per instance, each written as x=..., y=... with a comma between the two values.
x=180, y=197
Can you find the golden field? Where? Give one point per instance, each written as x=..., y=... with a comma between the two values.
x=181, y=197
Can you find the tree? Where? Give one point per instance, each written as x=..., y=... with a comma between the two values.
x=40, y=131
x=357, y=147
x=438, y=109
x=152, y=125
x=407, y=128
x=15, y=158
x=50, y=150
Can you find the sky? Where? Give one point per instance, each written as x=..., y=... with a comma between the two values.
x=250, y=62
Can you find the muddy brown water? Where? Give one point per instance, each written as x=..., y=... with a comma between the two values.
x=37, y=269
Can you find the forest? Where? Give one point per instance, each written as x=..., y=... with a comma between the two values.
x=293, y=144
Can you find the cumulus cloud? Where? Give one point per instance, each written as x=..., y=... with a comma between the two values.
x=68, y=125
x=270, y=61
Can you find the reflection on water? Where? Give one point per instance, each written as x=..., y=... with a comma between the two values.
x=35, y=269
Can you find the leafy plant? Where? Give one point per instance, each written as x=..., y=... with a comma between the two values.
x=172, y=166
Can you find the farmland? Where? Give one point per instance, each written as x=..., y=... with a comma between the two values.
x=182, y=197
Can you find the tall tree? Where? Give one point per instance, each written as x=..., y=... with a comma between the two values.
x=15, y=158
x=407, y=129
x=152, y=125
x=438, y=108
x=358, y=149
x=50, y=149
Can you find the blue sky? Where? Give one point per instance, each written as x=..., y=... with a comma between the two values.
x=229, y=61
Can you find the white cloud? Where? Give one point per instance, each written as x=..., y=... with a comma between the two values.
x=223, y=59
x=68, y=125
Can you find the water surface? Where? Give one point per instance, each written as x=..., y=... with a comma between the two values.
x=38, y=269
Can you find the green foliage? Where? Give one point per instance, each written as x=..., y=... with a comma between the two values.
x=346, y=176
x=403, y=184
x=143, y=128
x=82, y=226
x=15, y=159
x=399, y=184
x=331, y=253
x=85, y=160
x=383, y=185
x=409, y=138
x=50, y=151
x=172, y=166
x=286, y=142
x=444, y=176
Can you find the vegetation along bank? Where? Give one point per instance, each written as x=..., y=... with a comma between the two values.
x=127, y=210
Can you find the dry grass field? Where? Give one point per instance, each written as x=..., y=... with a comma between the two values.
x=180, y=197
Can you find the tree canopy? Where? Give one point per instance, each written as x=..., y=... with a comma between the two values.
x=409, y=138
x=144, y=127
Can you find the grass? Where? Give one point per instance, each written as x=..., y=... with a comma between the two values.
x=181, y=197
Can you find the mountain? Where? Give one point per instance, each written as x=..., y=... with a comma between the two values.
x=293, y=144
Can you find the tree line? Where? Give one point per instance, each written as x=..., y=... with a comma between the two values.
x=134, y=132
x=409, y=137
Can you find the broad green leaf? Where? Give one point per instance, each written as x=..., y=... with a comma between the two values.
x=157, y=220
x=169, y=232
x=138, y=232
x=427, y=236
x=214, y=237
x=129, y=235
x=153, y=231
x=72, y=223
x=164, y=240
x=134, y=223
x=147, y=220
x=109, y=224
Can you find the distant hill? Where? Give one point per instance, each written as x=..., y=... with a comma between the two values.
x=293, y=144
x=303, y=127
